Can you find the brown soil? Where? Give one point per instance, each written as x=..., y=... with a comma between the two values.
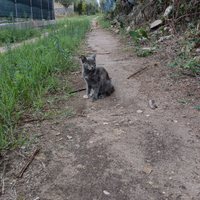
x=115, y=152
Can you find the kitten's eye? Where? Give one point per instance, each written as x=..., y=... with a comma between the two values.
x=88, y=64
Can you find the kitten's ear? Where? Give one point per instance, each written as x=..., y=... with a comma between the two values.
x=83, y=58
x=94, y=56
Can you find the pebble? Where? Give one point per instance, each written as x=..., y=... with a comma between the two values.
x=105, y=123
x=147, y=115
x=175, y=121
x=106, y=193
x=147, y=122
x=150, y=182
x=69, y=137
x=147, y=170
x=80, y=167
x=139, y=111
x=114, y=99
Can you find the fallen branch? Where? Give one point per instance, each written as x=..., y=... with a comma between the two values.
x=32, y=120
x=27, y=164
x=98, y=52
x=77, y=90
x=137, y=72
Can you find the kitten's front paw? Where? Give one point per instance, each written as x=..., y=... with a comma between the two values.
x=91, y=94
x=85, y=97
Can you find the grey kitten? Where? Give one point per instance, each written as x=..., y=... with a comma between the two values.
x=96, y=78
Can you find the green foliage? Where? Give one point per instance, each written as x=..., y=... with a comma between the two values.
x=197, y=107
x=29, y=72
x=13, y=34
x=144, y=53
x=193, y=64
x=162, y=29
x=138, y=34
x=121, y=24
x=103, y=22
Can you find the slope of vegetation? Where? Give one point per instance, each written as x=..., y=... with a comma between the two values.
x=29, y=72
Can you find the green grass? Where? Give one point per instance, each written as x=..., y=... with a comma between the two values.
x=103, y=22
x=13, y=34
x=28, y=72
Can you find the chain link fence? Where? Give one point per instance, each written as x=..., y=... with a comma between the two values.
x=32, y=9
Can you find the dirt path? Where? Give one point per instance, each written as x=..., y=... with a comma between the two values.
x=116, y=153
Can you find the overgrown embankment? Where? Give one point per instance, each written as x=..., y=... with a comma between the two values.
x=28, y=73
x=155, y=27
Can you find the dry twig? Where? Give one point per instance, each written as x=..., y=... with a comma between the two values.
x=98, y=52
x=77, y=90
x=137, y=72
x=20, y=174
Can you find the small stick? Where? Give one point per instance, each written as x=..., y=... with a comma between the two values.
x=27, y=164
x=77, y=90
x=99, y=52
x=137, y=72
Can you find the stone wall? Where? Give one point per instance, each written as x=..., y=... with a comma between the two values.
x=64, y=11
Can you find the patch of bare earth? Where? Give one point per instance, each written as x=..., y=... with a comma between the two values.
x=110, y=151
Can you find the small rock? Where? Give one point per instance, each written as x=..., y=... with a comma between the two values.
x=147, y=122
x=168, y=10
x=90, y=142
x=69, y=137
x=139, y=111
x=124, y=180
x=156, y=23
x=147, y=170
x=128, y=29
x=117, y=31
x=147, y=115
x=131, y=122
x=117, y=124
x=59, y=140
x=197, y=50
x=85, y=97
x=150, y=182
x=118, y=131
x=152, y=104
x=106, y=193
x=37, y=198
x=80, y=167
x=105, y=123
x=175, y=121
x=57, y=134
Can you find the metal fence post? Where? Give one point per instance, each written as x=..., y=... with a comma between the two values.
x=41, y=9
x=48, y=10
x=53, y=11
x=16, y=9
x=31, y=5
